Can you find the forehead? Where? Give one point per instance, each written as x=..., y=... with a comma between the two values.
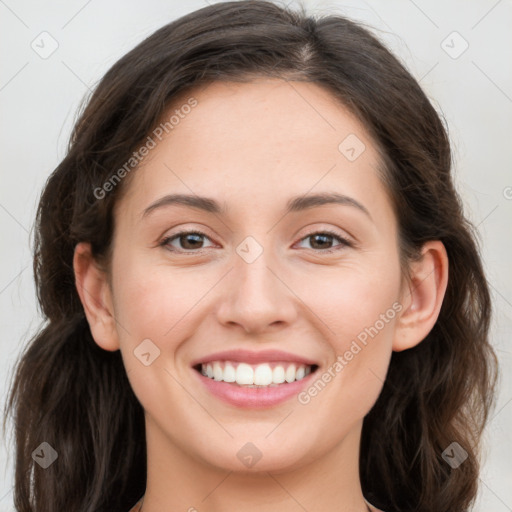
x=288, y=111
x=269, y=138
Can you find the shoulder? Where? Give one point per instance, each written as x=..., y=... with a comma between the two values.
x=372, y=508
x=136, y=507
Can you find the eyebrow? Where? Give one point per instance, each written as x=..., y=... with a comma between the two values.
x=294, y=204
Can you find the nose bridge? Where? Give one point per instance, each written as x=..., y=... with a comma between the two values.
x=257, y=297
x=253, y=269
x=256, y=282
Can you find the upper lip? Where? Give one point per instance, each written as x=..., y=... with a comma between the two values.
x=248, y=356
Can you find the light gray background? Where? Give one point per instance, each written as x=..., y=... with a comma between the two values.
x=39, y=98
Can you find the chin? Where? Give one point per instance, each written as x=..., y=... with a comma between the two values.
x=259, y=456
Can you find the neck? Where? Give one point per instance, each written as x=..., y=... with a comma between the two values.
x=328, y=482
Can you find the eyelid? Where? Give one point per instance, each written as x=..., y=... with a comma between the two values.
x=345, y=241
x=168, y=238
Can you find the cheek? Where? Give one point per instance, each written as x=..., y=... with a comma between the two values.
x=359, y=312
x=353, y=300
x=150, y=303
x=159, y=306
x=154, y=302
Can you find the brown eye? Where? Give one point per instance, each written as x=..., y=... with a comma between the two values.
x=322, y=241
x=188, y=241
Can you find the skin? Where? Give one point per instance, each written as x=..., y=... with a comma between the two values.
x=251, y=147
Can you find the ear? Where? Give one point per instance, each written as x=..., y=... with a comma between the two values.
x=94, y=291
x=422, y=297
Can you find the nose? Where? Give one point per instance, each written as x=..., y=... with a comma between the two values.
x=257, y=297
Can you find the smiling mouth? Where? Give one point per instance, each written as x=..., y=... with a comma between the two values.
x=263, y=375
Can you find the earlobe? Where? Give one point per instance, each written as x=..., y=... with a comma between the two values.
x=94, y=291
x=423, y=297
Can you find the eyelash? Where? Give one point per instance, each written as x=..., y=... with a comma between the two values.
x=344, y=241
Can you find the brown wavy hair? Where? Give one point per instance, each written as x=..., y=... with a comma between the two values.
x=72, y=394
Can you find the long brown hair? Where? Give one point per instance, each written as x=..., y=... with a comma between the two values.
x=76, y=397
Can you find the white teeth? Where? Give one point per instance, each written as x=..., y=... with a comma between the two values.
x=244, y=374
x=278, y=375
x=263, y=375
x=255, y=375
x=217, y=371
x=229, y=373
x=290, y=373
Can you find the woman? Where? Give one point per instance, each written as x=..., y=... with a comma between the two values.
x=205, y=350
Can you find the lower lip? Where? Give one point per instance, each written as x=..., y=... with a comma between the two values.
x=252, y=398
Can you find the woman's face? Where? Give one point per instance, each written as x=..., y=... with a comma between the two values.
x=261, y=277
